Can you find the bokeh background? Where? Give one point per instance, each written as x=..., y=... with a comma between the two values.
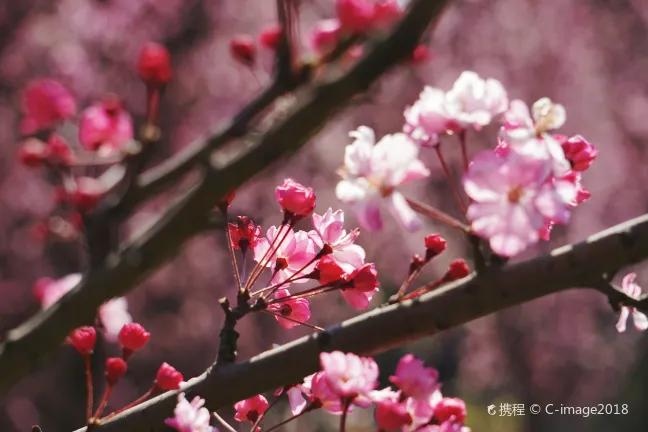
x=590, y=55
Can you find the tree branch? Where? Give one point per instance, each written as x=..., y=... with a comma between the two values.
x=579, y=265
x=227, y=169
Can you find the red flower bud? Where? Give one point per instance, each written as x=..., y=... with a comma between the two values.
x=243, y=50
x=83, y=339
x=244, y=233
x=115, y=368
x=168, y=378
x=434, y=245
x=154, y=64
x=33, y=152
x=365, y=278
x=59, y=151
x=420, y=54
x=132, y=337
x=448, y=408
x=296, y=199
x=458, y=270
x=87, y=194
x=270, y=36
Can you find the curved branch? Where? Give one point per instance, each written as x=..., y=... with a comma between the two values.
x=579, y=265
x=225, y=169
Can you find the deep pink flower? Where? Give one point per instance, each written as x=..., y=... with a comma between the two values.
x=362, y=286
x=295, y=198
x=250, y=409
x=297, y=309
x=270, y=36
x=105, y=127
x=330, y=271
x=323, y=393
x=45, y=103
x=325, y=35
x=154, y=64
x=434, y=245
x=350, y=376
x=372, y=174
x=295, y=251
x=59, y=150
x=113, y=314
x=33, y=152
x=450, y=409
x=329, y=230
x=579, y=152
x=83, y=339
x=168, y=378
x=190, y=417
x=391, y=413
x=244, y=233
x=414, y=378
x=422, y=409
x=571, y=189
x=632, y=290
x=512, y=199
x=386, y=13
x=356, y=16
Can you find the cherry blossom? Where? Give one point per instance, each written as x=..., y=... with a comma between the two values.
x=154, y=64
x=290, y=256
x=250, y=409
x=45, y=103
x=350, y=376
x=244, y=233
x=105, y=126
x=512, y=200
x=356, y=16
x=325, y=35
x=428, y=118
x=372, y=174
x=329, y=230
x=296, y=199
x=296, y=309
x=190, y=417
x=414, y=378
x=452, y=409
x=632, y=290
x=473, y=101
x=323, y=394
x=296, y=394
x=361, y=286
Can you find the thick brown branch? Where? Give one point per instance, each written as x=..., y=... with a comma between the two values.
x=580, y=265
x=44, y=333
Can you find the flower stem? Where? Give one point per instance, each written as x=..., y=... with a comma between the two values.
x=137, y=401
x=289, y=419
x=262, y=415
x=230, y=247
x=243, y=266
x=433, y=213
x=310, y=292
x=345, y=409
x=223, y=423
x=292, y=277
x=88, y=375
x=451, y=182
x=261, y=265
x=464, y=148
x=314, y=327
x=104, y=402
x=424, y=289
x=408, y=282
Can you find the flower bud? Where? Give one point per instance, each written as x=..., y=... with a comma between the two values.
x=270, y=37
x=59, y=151
x=326, y=35
x=115, y=368
x=448, y=408
x=243, y=50
x=365, y=278
x=83, y=339
x=579, y=152
x=33, y=152
x=87, y=194
x=244, y=233
x=356, y=16
x=392, y=415
x=458, y=270
x=132, y=337
x=154, y=64
x=168, y=378
x=296, y=199
x=421, y=54
x=434, y=245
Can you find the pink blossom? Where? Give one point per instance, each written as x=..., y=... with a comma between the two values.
x=250, y=409
x=632, y=290
x=45, y=103
x=295, y=198
x=528, y=135
x=421, y=409
x=356, y=16
x=452, y=409
x=391, y=413
x=113, y=314
x=323, y=394
x=105, y=126
x=362, y=286
x=190, y=417
x=374, y=172
x=428, y=118
x=578, y=151
x=329, y=230
x=350, y=376
x=325, y=35
x=287, y=256
x=473, y=101
x=296, y=309
x=386, y=13
x=296, y=394
x=244, y=233
x=414, y=378
x=511, y=200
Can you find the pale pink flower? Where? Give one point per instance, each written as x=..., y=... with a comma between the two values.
x=374, y=172
x=105, y=127
x=295, y=393
x=350, y=376
x=113, y=314
x=297, y=309
x=473, y=101
x=325, y=35
x=45, y=103
x=250, y=409
x=294, y=198
x=414, y=378
x=428, y=118
x=323, y=393
x=190, y=417
x=329, y=230
x=292, y=254
x=528, y=135
x=422, y=409
x=632, y=290
x=511, y=200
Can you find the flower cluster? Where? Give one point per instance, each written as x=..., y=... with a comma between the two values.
x=415, y=403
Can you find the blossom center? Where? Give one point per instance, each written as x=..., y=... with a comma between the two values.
x=253, y=415
x=515, y=195
x=285, y=310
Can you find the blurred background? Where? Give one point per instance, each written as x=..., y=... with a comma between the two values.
x=590, y=55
